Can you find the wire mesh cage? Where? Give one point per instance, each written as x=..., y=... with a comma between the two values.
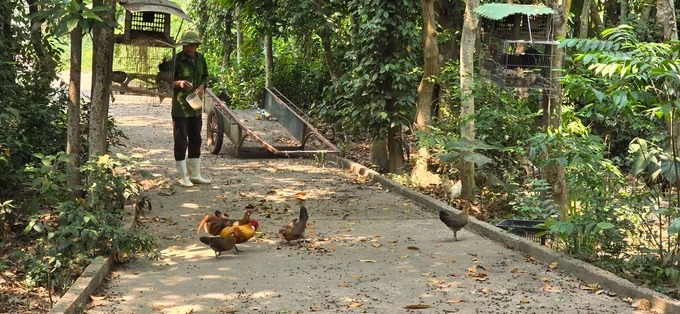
x=518, y=63
x=517, y=45
x=142, y=70
x=149, y=27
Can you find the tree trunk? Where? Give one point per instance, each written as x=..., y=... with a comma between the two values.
x=268, y=60
x=597, y=21
x=227, y=46
x=665, y=15
x=420, y=174
x=584, y=20
x=239, y=33
x=102, y=58
x=379, y=155
x=395, y=152
x=555, y=173
x=47, y=64
x=73, y=111
x=447, y=15
x=328, y=55
x=624, y=12
x=467, y=108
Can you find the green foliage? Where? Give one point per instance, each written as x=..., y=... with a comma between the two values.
x=536, y=203
x=634, y=87
x=82, y=228
x=62, y=16
x=377, y=91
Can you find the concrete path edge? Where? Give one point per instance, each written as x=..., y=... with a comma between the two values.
x=587, y=272
x=77, y=296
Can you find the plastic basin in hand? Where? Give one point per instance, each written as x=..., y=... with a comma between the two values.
x=194, y=101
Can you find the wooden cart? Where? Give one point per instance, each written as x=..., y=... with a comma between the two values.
x=283, y=133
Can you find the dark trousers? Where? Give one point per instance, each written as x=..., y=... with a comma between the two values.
x=187, y=134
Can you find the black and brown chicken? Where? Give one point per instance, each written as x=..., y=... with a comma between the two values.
x=220, y=244
x=456, y=221
x=295, y=229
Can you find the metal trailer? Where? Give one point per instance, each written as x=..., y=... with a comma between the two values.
x=282, y=131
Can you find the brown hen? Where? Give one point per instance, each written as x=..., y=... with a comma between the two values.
x=456, y=221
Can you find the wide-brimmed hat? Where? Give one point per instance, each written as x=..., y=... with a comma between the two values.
x=189, y=37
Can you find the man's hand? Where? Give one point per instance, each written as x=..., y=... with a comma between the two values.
x=199, y=90
x=184, y=84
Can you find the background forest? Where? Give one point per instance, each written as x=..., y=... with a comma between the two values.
x=395, y=85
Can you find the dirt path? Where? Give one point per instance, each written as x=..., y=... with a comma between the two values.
x=370, y=251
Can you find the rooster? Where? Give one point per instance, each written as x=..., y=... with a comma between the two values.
x=295, y=229
x=219, y=244
x=214, y=224
x=241, y=233
x=454, y=221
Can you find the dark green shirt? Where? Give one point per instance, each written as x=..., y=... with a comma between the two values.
x=196, y=72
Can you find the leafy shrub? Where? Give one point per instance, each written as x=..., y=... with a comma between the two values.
x=82, y=228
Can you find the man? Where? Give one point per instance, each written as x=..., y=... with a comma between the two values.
x=191, y=75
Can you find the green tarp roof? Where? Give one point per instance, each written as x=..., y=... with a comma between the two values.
x=499, y=11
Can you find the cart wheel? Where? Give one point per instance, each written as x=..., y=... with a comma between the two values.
x=215, y=132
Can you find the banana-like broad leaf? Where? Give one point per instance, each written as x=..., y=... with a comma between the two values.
x=477, y=158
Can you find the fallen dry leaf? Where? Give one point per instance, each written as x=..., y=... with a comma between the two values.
x=454, y=300
x=552, y=265
x=515, y=270
x=272, y=192
x=343, y=285
x=158, y=307
x=357, y=276
x=355, y=304
x=411, y=247
x=417, y=306
x=368, y=261
x=590, y=287
x=426, y=274
x=545, y=279
x=524, y=301
x=315, y=309
x=484, y=290
x=641, y=304
x=376, y=245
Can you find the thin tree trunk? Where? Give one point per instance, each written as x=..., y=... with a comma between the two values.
x=379, y=156
x=73, y=111
x=228, y=43
x=420, y=174
x=268, y=60
x=395, y=151
x=447, y=15
x=47, y=63
x=665, y=15
x=584, y=20
x=624, y=12
x=467, y=57
x=239, y=33
x=328, y=55
x=597, y=21
x=101, y=83
x=555, y=173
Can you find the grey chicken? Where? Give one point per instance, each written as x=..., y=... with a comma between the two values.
x=295, y=229
x=220, y=244
x=456, y=221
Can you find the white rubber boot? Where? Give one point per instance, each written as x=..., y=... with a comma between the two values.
x=194, y=166
x=182, y=171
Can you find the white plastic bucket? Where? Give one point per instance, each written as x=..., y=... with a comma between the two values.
x=195, y=101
